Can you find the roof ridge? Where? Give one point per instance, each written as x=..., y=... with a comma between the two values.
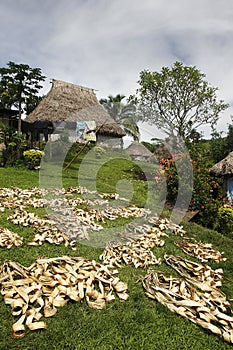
x=72, y=84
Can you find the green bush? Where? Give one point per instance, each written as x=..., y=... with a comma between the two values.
x=206, y=192
x=33, y=158
x=224, y=222
x=99, y=151
x=15, y=145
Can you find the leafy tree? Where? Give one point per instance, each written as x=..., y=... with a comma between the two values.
x=14, y=143
x=31, y=102
x=152, y=147
x=221, y=146
x=229, y=141
x=177, y=100
x=218, y=146
x=124, y=114
x=19, y=84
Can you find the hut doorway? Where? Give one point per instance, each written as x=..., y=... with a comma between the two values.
x=230, y=189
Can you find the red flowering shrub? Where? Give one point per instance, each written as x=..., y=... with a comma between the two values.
x=207, y=195
x=206, y=191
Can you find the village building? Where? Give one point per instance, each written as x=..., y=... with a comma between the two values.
x=137, y=151
x=224, y=168
x=70, y=107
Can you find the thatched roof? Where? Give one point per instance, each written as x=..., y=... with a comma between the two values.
x=69, y=102
x=138, y=149
x=224, y=167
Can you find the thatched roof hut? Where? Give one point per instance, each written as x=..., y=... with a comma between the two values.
x=74, y=103
x=224, y=167
x=138, y=151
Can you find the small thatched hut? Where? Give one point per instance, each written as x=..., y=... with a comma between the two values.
x=225, y=168
x=138, y=151
x=69, y=103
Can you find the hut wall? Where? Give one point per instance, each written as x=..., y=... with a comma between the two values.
x=140, y=158
x=102, y=140
x=109, y=141
x=230, y=189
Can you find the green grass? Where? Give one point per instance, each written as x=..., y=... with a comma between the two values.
x=18, y=177
x=138, y=323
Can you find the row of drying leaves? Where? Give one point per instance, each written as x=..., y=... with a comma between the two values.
x=39, y=290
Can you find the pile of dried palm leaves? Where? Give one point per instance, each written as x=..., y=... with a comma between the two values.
x=24, y=218
x=15, y=197
x=200, y=275
x=51, y=235
x=137, y=252
x=142, y=238
x=38, y=290
x=45, y=230
x=63, y=212
x=203, y=309
x=202, y=251
x=9, y=239
x=65, y=221
x=166, y=225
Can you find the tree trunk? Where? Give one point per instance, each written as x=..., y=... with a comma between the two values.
x=19, y=131
x=20, y=118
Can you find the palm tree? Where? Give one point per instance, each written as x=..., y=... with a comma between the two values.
x=123, y=114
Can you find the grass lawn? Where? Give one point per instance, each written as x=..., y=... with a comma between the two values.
x=138, y=323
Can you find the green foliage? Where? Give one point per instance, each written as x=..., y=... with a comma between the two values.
x=207, y=195
x=18, y=83
x=218, y=147
x=177, y=100
x=124, y=114
x=99, y=151
x=224, y=223
x=206, y=192
x=221, y=146
x=15, y=145
x=33, y=158
x=31, y=102
x=19, y=86
x=152, y=147
x=168, y=170
x=229, y=139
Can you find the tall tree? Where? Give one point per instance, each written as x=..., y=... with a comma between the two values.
x=19, y=84
x=177, y=100
x=229, y=144
x=123, y=114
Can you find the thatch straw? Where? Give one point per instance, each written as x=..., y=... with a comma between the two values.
x=138, y=149
x=224, y=167
x=69, y=102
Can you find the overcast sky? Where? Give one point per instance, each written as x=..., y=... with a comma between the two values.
x=104, y=44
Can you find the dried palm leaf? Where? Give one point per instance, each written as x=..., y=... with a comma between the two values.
x=51, y=283
x=200, y=308
x=202, y=251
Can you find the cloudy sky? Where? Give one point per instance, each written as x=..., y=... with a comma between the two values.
x=104, y=44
